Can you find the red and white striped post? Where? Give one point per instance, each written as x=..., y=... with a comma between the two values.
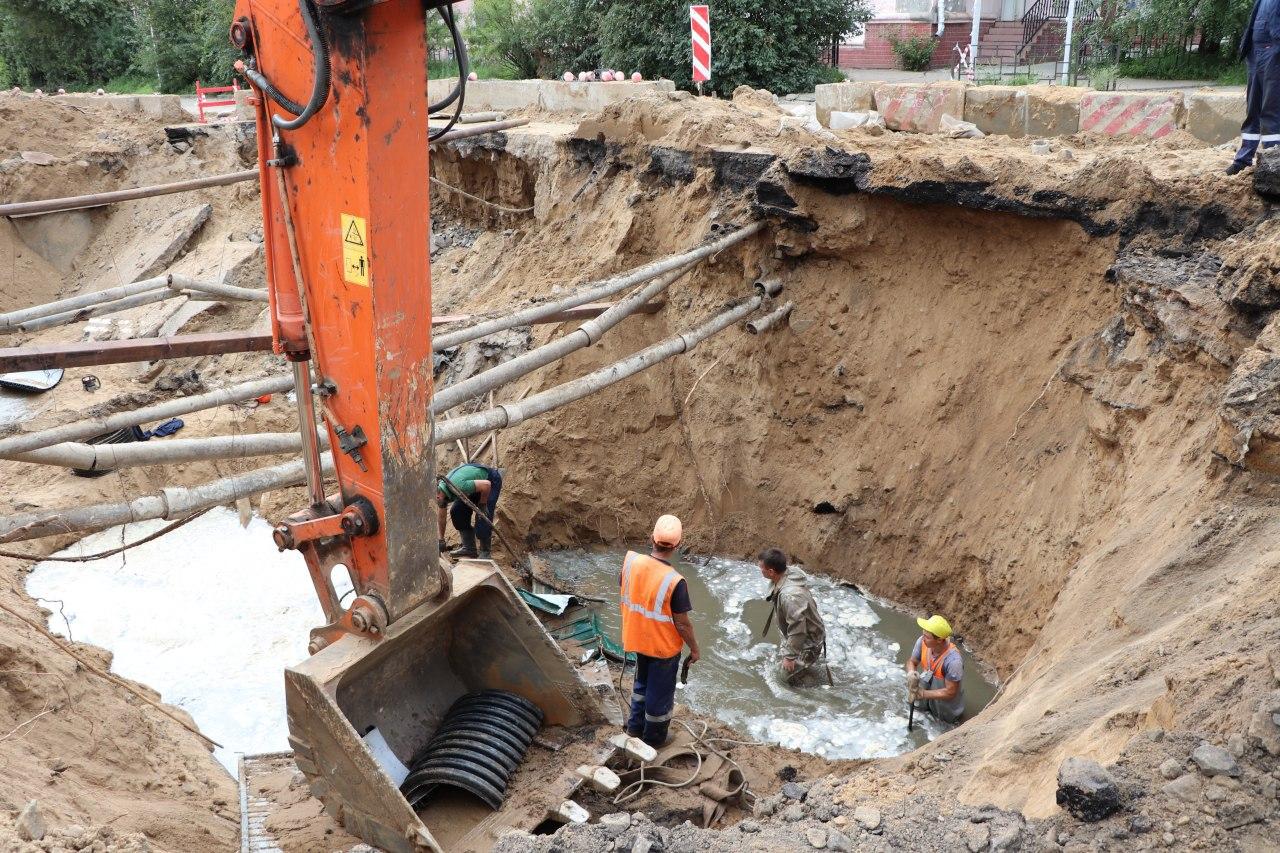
x=700, y=25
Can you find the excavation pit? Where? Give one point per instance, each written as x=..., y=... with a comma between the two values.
x=864, y=715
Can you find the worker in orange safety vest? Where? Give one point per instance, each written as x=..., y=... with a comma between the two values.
x=935, y=671
x=655, y=627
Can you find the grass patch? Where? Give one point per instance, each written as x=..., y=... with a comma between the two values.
x=1011, y=80
x=1221, y=68
x=134, y=84
x=439, y=69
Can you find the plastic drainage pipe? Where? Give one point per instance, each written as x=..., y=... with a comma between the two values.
x=226, y=291
x=594, y=291
x=773, y=318
x=90, y=427
x=106, y=457
x=171, y=503
x=510, y=414
x=159, y=294
x=584, y=336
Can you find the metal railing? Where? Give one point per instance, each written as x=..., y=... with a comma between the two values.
x=1043, y=11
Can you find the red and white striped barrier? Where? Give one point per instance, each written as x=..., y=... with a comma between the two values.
x=700, y=25
x=1145, y=114
x=919, y=108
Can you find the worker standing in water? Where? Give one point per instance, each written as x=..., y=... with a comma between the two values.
x=656, y=626
x=482, y=485
x=935, y=671
x=802, y=649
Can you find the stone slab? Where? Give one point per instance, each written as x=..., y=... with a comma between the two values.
x=166, y=108
x=919, y=108
x=843, y=97
x=1053, y=110
x=997, y=109
x=1215, y=117
x=483, y=95
x=151, y=253
x=1149, y=115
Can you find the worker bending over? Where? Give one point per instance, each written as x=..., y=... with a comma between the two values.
x=655, y=626
x=935, y=671
x=482, y=485
x=802, y=647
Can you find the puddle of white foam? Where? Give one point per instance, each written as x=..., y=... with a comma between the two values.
x=209, y=615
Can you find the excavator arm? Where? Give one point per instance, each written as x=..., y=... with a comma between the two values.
x=340, y=91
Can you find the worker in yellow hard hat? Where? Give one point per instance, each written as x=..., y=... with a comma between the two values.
x=655, y=627
x=935, y=671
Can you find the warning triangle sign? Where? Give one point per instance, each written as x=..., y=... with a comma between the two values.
x=353, y=235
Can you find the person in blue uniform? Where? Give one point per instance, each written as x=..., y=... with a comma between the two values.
x=1260, y=49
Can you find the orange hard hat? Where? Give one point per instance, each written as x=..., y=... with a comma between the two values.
x=668, y=531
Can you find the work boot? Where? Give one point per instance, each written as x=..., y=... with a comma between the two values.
x=1236, y=167
x=468, y=546
x=486, y=547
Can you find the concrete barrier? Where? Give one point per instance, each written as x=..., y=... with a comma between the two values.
x=165, y=108
x=1215, y=117
x=844, y=98
x=1140, y=114
x=997, y=109
x=919, y=108
x=561, y=97
x=1053, y=110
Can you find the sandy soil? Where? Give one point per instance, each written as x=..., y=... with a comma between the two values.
x=1012, y=436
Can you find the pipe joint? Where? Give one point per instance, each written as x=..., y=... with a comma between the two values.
x=769, y=286
x=514, y=413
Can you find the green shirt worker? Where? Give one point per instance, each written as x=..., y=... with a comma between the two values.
x=481, y=485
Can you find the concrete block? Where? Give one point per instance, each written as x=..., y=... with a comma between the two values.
x=997, y=109
x=1053, y=110
x=919, y=108
x=163, y=108
x=558, y=96
x=1149, y=115
x=843, y=97
x=1215, y=117
x=439, y=88
x=499, y=94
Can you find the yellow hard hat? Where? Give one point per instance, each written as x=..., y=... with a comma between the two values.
x=936, y=625
x=668, y=531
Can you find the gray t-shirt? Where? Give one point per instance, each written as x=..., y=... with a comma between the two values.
x=952, y=663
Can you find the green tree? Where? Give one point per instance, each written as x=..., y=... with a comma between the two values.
x=187, y=40
x=565, y=35
x=759, y=44
x=71, y=43
x=498, y=35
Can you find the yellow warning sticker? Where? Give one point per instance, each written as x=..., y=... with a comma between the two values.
x=355, y=250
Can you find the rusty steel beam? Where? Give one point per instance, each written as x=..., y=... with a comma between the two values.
x=96, y=353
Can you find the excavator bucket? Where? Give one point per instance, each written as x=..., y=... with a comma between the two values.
x=357, y=693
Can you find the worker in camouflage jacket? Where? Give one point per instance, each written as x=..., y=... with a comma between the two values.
x=802, y=646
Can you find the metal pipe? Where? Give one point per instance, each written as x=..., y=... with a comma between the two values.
x=593, y=290
x=107, y=457
x=149, y=297
x=510, y=414
x=586, y=335
x=768, y=321
x=79, y=202
x=479, y=130
x=90, y=427
x=227, y=291
x=307, y=430
x=473, y=118
x=92, y=353
x=171, y=502
x=11, y=319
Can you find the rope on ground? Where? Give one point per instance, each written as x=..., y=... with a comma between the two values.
x=169, y=528
x=627, y=794
x=485, y=202
x=114, y=679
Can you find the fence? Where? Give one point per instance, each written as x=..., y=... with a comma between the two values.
x=203, y=100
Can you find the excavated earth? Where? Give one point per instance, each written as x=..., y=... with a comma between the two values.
x=1039, y=393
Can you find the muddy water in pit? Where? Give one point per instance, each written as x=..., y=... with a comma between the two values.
x=863, y=716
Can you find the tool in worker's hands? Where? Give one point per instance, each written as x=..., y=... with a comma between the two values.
x=913, y=692
x=684, y=671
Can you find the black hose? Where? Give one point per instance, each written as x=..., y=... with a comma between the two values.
x=462, y=73
x=321, y=71
x=464, y=68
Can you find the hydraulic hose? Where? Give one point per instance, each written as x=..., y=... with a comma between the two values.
x=460, y=51
x=320, y=75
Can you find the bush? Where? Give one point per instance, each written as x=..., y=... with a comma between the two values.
x=499, y=35
x=189, y=41
x=1103, y=77
x=763, y=45
x=71, y=43
x=565, y=35
x=915, y=53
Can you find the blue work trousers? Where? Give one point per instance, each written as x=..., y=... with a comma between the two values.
x=461, y=514
x=1262, y=101
x=652, y=698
